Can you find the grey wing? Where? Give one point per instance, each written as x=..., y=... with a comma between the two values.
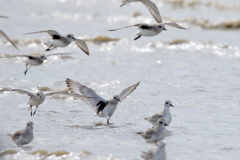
x=153, y=10
x=78, y=88
x=66, y=93
x=174, y=25
x=149, y=133
x=23, y=92
x=17, y=134
x=127, y=27
x=155, y=117
x=128, y=91
x=8, y=39
x=82, y=45
x=60, y=54
x=52, y=33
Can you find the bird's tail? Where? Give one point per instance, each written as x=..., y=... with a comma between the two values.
x=47, y=43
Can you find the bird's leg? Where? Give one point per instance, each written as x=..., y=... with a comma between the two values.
x=35, y=110
x=108, y=119
x=50, y=48
x=31, y=110
x=137, y=37
x=27, y=69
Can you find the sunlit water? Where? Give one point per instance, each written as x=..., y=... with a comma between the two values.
x=197, y=69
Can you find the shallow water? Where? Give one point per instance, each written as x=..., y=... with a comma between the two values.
x=197, y=69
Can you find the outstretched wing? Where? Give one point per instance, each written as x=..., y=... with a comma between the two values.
x=8, y=39
x=139, y=24
x=56, y=54
x=152, y=9
x=174, y=25
x=128, y=91
x=78, y=88
x=82, y=45
x=54, y=34
x=23, y=92
x=66, y=93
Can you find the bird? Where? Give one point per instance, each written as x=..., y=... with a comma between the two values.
x=166, y=114
x=153, y=10
x=38, y=98
x=156, y=154
x=8, y=39
x=155, y=134
x=101, y=107
x=24, y=136
x=146, y=30
x=62, y=41
x=149, y=30
x=34, y=60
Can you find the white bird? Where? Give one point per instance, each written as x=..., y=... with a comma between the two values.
x=153, y=10
x=34, y=60
x=23, y=137
x=62, y=41
x=102, y=107
x=39, y=97
x=7, y=38
x=156, y=154
x=166, y=114
x=147, y=29
x=155, y=134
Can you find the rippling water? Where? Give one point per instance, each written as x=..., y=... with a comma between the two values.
x=197, y=69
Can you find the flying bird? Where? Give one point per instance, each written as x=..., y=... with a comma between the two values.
x=62, y=41
x=34, y=60
x=38, y=98
x=101, y=107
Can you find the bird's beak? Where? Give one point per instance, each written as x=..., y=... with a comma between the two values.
x=46, y=58
x=122, y=5
x=171, y=105
x=74, y=38
x=165, y=29
x=166, y=124
x=119, y=100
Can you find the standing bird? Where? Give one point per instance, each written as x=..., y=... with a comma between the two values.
x=155, y=134
x=35, y=60
x=23, y=137
x=7, y=38
x=166, y=114
x=102, y=107
x=39, y=97
x=62, y=41
x=156, y=154
x=147, y=29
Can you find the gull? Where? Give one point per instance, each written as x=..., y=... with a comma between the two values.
x=38, y=98
x=164, y=114
x=24, y=136
x=156, y=154
x=7, y=38
x=155, y=134
x=35, y=60
x=101, y=107
x=62, y=41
